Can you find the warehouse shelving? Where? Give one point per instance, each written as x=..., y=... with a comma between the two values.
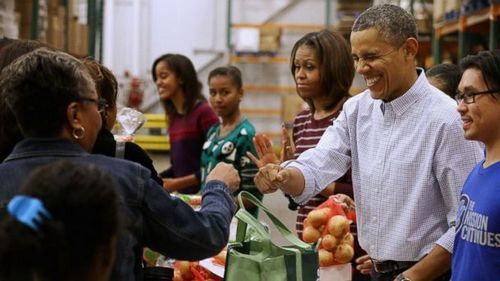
x=473, y=27
x=93, y=30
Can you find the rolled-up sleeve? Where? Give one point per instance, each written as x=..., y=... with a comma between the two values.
x=325, y=163
x=454, y=160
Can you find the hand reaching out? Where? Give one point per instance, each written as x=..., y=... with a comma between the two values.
x=287, y=151
x=227, y=174
x=270, y=177
x=265, y=151
x=170, y=184
x=345, y=201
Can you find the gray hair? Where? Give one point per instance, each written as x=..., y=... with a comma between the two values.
x=394, y=24
x=39, y=86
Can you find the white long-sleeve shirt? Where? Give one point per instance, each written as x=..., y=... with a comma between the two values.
x=409, y=161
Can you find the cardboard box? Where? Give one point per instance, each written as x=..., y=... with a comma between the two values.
x=438, y=10
x=72, y=36
x=269, y=44
x=452, y=5
x=246, y=39
x=8, y=5
x=72, y=8
x=270, y=31
x=83, y=46
x=77, y=38
x=24, y=8
x=55, y=32
x=53, y=5
x=269, y=39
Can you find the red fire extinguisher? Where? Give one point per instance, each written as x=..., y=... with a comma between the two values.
x=135, y=95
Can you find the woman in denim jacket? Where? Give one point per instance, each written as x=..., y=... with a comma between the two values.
x=54, y=102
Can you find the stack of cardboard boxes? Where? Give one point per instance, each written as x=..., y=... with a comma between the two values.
x=24, y=11
x=8, y=24
x=55, y=27
x=77, y=27
x=347, y=12
x=270, y=39
x=451, y=9
x=57, y=24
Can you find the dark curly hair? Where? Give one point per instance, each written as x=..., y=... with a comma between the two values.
x=10, y=133
x=48, y=79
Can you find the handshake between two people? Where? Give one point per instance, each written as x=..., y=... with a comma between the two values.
x=271, y=176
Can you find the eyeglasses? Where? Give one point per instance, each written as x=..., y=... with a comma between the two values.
x=470, y=97
x=100, y=102
x=370, y=58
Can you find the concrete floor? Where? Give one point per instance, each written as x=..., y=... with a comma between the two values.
x=276, y=202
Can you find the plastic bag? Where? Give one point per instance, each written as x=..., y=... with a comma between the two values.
x=130, y=120
x=328, y=225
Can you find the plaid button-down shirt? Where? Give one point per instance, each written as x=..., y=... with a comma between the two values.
x=409, y=161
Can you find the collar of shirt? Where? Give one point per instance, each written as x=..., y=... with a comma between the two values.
x=401, y=104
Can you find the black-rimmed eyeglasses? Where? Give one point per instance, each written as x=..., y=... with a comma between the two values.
x=100, y=102
x=470, y=97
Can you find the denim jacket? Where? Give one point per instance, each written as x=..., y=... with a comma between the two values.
x=152, y=217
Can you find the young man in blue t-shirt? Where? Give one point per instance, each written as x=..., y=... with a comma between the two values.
x=476, y=254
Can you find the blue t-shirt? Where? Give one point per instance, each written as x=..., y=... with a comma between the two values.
x=476, y=254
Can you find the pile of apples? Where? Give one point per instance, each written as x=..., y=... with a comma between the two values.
x=332, y=230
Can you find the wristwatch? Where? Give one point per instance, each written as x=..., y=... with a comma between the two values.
x=402, y=277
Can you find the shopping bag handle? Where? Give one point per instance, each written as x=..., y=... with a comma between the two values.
x=245, y=218
x=280, y=226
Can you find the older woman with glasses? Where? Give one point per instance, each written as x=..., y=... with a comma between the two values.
x=10, y=50
x=54, y=101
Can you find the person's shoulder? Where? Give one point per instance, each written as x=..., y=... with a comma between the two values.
x=364, y=96
x=246, y=131
x=132, y=148
x=248, y=126
x=361, y=102
x=203, y=106
x=302, y=116
x=440, y=106
x=205, y=111
x=213, y=129
x=114, y=165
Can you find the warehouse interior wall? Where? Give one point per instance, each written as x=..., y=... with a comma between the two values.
x=138, y=31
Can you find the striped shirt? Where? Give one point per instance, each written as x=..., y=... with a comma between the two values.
x=307, y=132
x=409, y=160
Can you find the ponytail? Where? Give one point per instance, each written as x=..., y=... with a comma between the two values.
x=67, y=212
x=32, y=242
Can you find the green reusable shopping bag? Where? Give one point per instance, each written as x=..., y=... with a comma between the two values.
x=257, y=258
